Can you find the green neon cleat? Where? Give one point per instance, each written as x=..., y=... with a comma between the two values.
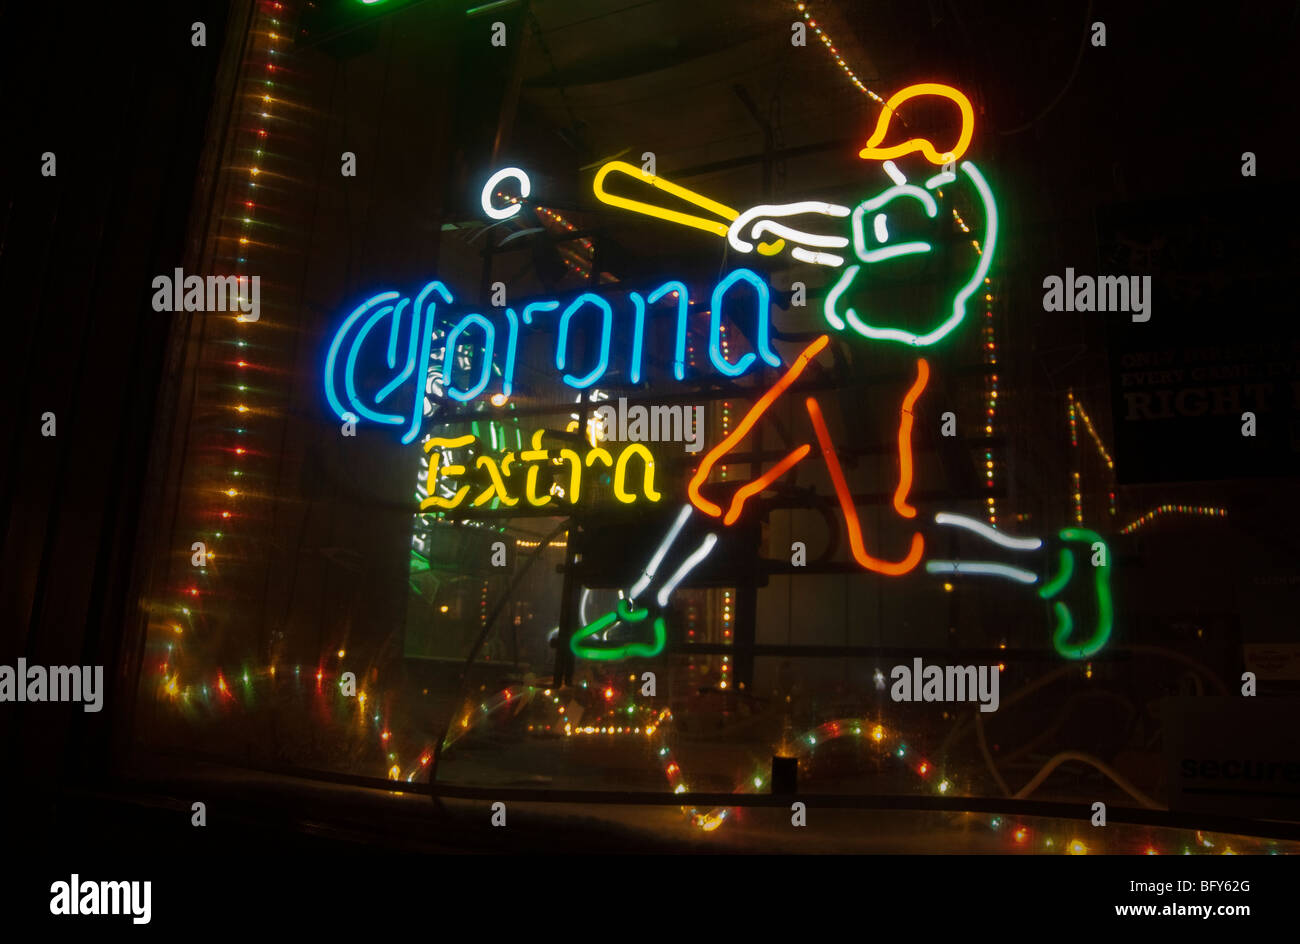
x=1084, y=551
x=632, y=650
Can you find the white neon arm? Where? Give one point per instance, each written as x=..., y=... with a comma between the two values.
x=796, y=235
x=980, y=569
x=648, y=574
x=988, y=533
x=741, y=222
x=687, y=565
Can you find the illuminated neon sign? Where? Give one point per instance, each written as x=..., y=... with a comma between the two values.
x=1105, y=616
x=391, y=343
x=387, y=335
x=873, y=150
x=742, y=229
x=873, y=243
x=744, y=232
x=837, y=316
x=489, y=188
x=507, y=479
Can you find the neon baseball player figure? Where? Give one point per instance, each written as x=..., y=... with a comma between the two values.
x=637, y=624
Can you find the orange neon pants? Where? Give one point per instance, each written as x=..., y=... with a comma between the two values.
x=852, y=524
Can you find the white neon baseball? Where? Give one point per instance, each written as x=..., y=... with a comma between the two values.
x=504, y=213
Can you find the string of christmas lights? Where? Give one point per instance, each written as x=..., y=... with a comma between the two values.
x=989, y=351
x=252, y=212
x=1076, y=485
x=579, y=263
x=1203, y=511
x=835, y=54
x=1092, y=431
x=230, y=485
x=726, y=405
x=1101, y=450
x=890, y=744
x=263, y=94
x=887, y=743
x=641, y=721
x=726, y=637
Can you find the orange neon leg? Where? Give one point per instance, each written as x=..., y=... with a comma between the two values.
x=905, y=441
x=889, y=568
x=762, y=482
x=756, y=411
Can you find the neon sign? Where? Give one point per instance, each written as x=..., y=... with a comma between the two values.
x=873, y=150
x=510, y=478
x=872, y=247
x=1101, y=591
x=390, y=342
x=489, y=188
x=370, y=338
x=957, y=312
x=356, y=332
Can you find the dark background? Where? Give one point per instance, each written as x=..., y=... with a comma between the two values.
x=123, y=99
x=1159, y=117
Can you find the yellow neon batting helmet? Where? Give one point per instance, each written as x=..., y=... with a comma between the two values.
x=873, y=150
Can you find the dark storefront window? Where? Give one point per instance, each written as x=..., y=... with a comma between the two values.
x=735, y=439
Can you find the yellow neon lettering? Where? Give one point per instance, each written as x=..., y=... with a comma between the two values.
x=498, y=469
x=498, y=485
x=620, y=474
x=575, y=473
x=536, y=454
x=602, y=454
x=436, y=468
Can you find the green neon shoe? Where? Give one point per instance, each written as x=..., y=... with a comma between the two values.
x=1082, y=551
x=621, y=614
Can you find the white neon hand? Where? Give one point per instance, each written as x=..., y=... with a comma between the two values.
x=757, y=221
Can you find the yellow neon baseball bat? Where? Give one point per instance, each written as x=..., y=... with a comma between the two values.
x=664, y=213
